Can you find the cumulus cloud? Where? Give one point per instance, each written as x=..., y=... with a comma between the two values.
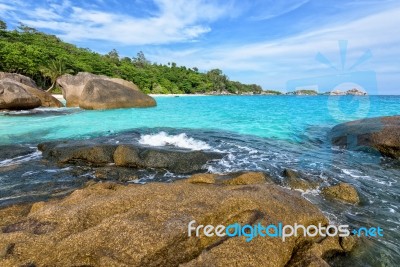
x=172, y=21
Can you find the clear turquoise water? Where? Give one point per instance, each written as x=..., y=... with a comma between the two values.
x=263, y=133
x=280, y=117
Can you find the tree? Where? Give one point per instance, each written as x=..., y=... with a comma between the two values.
x=26, y=29
x=3, y=25
x=55, y=69
x=140, y=60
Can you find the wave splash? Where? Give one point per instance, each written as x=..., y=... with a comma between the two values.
x=179, y=140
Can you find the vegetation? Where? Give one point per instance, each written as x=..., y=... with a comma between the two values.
x=45, y=57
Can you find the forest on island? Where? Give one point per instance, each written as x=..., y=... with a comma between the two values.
x=45, y=57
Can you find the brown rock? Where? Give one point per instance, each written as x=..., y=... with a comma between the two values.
x=381, y=134
x=18, y=78
x=107, y=224
x=73, y=87
x=202, y=178
x=46, y=99
x=247, y=178
x=294, y=181
x=342, y=191
x=104, y=94
x=14, y=96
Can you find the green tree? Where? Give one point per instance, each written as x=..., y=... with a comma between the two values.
x=3, y=25
x=140, y=60
x=53, y=70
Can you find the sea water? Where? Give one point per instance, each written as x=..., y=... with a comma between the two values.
x=261, y=133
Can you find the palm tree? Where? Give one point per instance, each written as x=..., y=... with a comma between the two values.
x=55, y=69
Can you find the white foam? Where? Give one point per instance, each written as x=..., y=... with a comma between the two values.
x=20, y=159
x=179, y=140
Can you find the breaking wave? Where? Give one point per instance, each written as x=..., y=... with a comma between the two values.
x=179, y=140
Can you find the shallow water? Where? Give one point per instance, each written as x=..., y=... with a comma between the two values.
x=266, y=133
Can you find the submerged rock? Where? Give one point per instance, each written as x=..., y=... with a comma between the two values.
x=295, y=181
x=381, y=134
x=108, y=224
x=90, y=91
x=342, y=191
x=127, y=155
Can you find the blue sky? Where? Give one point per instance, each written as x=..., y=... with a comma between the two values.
x=266, y=42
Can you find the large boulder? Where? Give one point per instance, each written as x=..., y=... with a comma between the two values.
x=46, y=99
x=73, y=87
x=13, y=96
x=108, y=224
x=105, y=94
x=127, y=155
x=382, y=134
x=18, y=78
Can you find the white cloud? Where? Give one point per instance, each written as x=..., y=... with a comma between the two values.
x=174, y=21
x=272, y=63
x=275, y=8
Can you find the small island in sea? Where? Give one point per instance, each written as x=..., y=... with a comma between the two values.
x=97, y=168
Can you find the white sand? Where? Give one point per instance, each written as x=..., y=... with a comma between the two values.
x=173, y=95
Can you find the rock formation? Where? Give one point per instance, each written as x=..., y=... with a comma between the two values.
x=108, y=224
x=381, y=134
x=90, y=91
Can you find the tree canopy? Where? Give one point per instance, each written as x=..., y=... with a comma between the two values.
x=44, y=57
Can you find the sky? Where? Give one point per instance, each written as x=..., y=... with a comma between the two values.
x=280, y=45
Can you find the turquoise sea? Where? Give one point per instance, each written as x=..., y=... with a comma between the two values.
x=266, y=133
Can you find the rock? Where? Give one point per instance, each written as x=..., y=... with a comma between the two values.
x=355, y=91
x=247, y=178
x=238, y=178
x=294, y=181
x=178, y=161
x=91, y=154
x=73, y=87
x=46, y=99
x=13, y=151
x=108, y=224
x=348, y=243
x=202, y=178
x=382, y=134
x=15, y=97
x=18, y=78
x=124, y=155
x=116, y=173
x=342, y=191
x=125, y=83
x=104, y=94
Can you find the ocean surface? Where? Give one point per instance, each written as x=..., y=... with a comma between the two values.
x=264, y=133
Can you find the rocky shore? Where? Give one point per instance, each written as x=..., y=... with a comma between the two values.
x=109, y=224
